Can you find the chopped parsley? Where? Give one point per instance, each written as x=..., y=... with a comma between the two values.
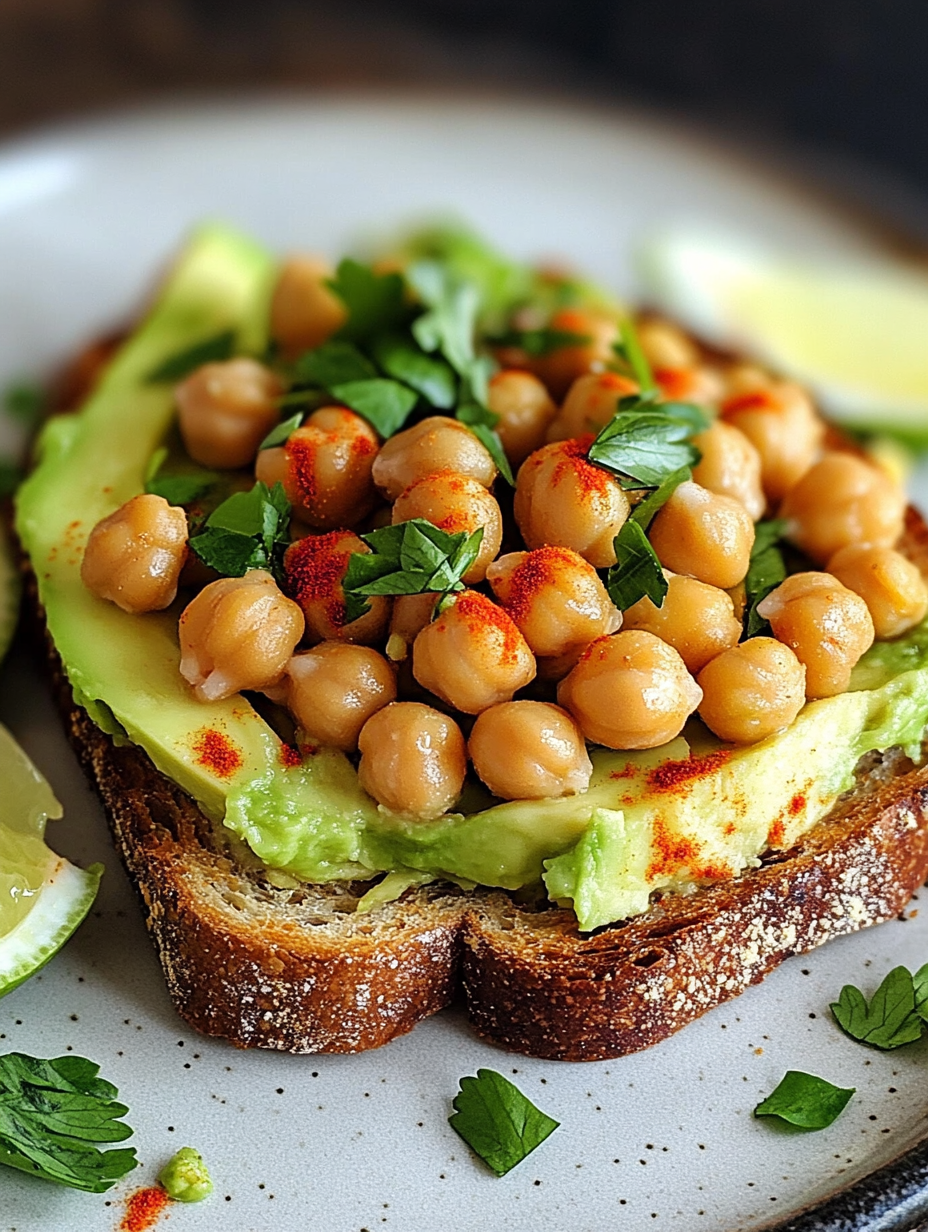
x=247, y=531
x=805, y=1101
x=497, y=1121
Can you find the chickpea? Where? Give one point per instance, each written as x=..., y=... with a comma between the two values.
x=238, y=633
x=325, y=467
x=455, y=503
x=557, y=600
x=701, y=385
x=413, y=760
x=730, y=466
x=225, y=410
x=778, y=418
x=827, y=626
x=891, y=586
x=411, y=613
x=704, y=535
x=472, y=656
x=529, y=751
x=561, y=367
x=434, y=444
x=333, y=689
x=525, y=409
x=630, y=691
x=134, y=557
x=842, y=500
x=304, y=312
x=665, y=345
x=314, y=568
x=591, y=402
x=563, y=500
x=697, y=620
x=752, y=690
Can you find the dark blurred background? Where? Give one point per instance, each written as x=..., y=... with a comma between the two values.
x=839, y=85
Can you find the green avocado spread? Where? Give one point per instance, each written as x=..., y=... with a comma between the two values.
x=690, y=813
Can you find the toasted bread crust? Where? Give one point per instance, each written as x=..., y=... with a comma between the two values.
x=301, y=971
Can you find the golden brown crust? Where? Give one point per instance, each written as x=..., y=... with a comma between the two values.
x=301, y=971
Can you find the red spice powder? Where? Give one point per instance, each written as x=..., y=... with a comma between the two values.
x=628, y=771
x=290, y=756
x=776, y=833
x=143, y=1209
x=479, y=612
x=673, y=774
x=756, y=400
x=300, y=451
x=538, y=569
x=675, y=382
x=671, y=851
x=712, y=872
x=314, y=568
x=797, y=804
x=591, y=480
x=217, y=753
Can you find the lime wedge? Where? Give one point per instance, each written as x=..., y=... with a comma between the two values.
x=43, y=897
x=856, y=331
x=10, y=586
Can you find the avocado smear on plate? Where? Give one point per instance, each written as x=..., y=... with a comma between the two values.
x=673, y=818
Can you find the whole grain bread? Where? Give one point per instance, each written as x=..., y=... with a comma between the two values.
x=300, y=970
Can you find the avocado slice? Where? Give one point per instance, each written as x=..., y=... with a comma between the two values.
x=672, y=818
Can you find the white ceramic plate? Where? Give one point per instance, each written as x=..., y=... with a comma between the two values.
x=663, y=1139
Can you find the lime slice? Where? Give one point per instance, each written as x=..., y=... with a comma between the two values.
x=10, y=586
x=855, y=331
x=43, y=897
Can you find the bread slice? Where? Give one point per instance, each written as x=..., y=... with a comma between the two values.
x=299, y=970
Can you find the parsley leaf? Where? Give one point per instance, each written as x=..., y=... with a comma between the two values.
x=629, y=348
x=686, y=412
x=400, y=357
x=805, y=1101
x=181, y=364
x=178, y=489
x=637, y=572
x=282, y=433
x=25, y=403
x=889, y=1020
x=497, y=1121
x=643, y=445
x=247, y=531
x=52, y=1115
x=450, y=322
x=482, y=423
x=539, y=342
x=920, y=983
x=646, y=510
x=765, y=573
x=411, y=558
x=385, y=404
x=375, y=302
x=333, y=363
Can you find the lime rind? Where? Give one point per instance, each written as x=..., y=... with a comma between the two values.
x=64, y=901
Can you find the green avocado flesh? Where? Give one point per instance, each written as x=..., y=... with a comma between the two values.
x=674, y=818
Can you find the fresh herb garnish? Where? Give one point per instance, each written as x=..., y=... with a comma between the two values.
x=920, y=984
x=805, y=1101
x=646, y=510
x=25, y=403
x=449, y=323
x=179, y=489
x=629, y=348
x=637, y=572
x=375, y=302
x=433, y=378
x=412, y=558
x=766, y=571
x=685, y=412
x=282, y=433
x=482, y=423
x=497, y=1121
x=385, y=404
x=52, y=1115
x=891, y=1017
x=247, y=531
x=333, y=363
x=177, y=366
x=539, y=342
x=643, y=445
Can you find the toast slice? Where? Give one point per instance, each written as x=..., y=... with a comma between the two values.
x=299, y=970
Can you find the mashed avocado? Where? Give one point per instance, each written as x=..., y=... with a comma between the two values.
x=687, y=814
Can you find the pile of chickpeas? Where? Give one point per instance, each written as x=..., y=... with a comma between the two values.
x=532, y=661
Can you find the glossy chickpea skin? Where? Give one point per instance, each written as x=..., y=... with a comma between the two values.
x=225, y=410
x=702, y=385
x=314, y=568
x=557, y=600
x=778, y=418
x=843, y=500
x=413, y=760
x=472, y=656
x=696, y=619
x=891, y=586
x=238, y=633
x=591, y=402
x=135, y=556
x=410, y=615
x=562, y=366
x=752, y=690
x=333, y=689
x=529, y=751
x=730, y=466
x=665, y=345
x=304, y=311
x=455, y=503
x=704, y=535
x=630, y=691
x=325, y=467
x=562, y=500
x=825, y=624
x=432, y=445
x=525, y=410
